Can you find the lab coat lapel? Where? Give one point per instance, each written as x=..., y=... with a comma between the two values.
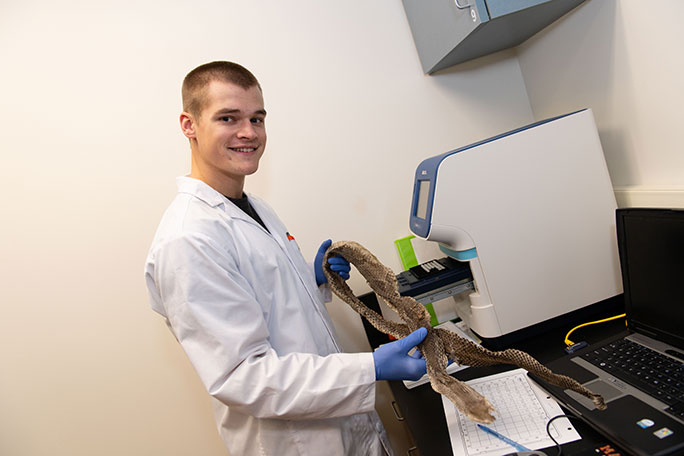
x=199, y=189
x=203, y=191
x=303, y=269
x=277, y=230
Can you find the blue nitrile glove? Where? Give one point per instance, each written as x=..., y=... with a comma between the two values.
x=337, y=264
x=392, y=361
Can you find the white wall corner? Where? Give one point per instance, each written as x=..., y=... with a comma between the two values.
x=640, y=196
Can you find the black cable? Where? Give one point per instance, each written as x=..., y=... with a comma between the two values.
x=548, y=430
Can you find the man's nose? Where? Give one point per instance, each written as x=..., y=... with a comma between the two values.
x=247, y=130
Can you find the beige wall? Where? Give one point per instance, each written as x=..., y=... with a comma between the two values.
x=623, y=59
x=91, y=147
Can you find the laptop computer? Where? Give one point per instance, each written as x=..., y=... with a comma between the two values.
x=640, y=373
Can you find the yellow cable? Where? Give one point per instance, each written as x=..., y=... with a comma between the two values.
x=568, y=342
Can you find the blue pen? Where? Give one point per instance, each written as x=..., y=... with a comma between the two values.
x=503, y=438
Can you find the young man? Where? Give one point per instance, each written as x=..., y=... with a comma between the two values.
x=244, y=304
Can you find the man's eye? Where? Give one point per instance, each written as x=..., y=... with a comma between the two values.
x=226, y=119
x=257, y=121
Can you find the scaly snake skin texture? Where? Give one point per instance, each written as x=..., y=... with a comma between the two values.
x=439, y=345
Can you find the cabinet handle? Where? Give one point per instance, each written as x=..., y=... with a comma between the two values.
x=459, y=6
x=395, y=409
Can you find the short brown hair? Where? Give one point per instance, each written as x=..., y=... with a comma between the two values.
x=197, y=81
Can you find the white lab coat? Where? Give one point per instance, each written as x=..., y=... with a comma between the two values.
x=246, y=309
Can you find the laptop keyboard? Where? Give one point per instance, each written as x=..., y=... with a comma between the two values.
x=654, y=373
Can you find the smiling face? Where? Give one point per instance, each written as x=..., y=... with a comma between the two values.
x=228, y=137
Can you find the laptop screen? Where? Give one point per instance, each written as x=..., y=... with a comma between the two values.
x=651, y=246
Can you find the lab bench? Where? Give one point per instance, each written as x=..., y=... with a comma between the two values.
x=421, y=408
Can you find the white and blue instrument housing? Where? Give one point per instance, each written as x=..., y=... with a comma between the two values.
x=533, y=212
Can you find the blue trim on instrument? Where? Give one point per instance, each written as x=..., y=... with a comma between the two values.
x=461, y=255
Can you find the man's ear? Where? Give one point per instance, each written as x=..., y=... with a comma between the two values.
x=187, y=124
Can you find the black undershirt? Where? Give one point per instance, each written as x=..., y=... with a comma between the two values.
x=247, y=208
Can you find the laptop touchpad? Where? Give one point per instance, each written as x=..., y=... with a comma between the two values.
x=598, y=387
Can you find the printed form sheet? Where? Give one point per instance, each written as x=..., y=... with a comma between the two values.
x=523, y=410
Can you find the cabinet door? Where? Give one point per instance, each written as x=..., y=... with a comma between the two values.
x=498, y=8
x=438, y=26
x=448, y=32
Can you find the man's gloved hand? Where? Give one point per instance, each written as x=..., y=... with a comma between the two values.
x=392, y=361
x=337, y=264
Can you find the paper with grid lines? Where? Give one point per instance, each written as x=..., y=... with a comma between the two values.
x=523, y=410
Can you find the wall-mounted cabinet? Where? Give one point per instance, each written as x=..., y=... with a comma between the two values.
x=447, y=32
